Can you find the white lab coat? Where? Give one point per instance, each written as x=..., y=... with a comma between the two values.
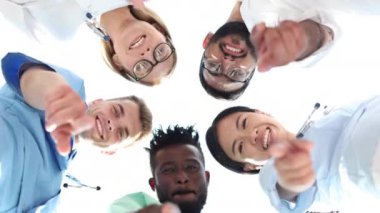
x=61, y=18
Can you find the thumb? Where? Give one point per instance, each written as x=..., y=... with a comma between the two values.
x=82, y=124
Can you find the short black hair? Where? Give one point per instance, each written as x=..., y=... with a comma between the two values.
x=215, y=148
x=220, y=94
x=174, y=135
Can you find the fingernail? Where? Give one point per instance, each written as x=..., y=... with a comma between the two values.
x=51, y=127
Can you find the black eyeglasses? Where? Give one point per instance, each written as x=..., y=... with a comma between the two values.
x=143, y=67
x=234, y=73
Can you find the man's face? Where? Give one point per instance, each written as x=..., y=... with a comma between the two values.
x=180, y=177
x=114, y=121
x=229, y=58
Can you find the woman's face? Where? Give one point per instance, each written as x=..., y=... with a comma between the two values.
x=246, y=136
x=142, y=41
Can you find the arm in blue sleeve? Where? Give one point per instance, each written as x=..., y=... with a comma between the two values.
x=14, y=64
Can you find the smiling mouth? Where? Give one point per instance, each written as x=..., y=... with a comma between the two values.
x=267, y=138
x=233, y=51
x=137, y=42
x=99, y=127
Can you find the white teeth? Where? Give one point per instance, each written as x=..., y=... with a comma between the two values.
x=266, y=138
x=99, y=127
x=138, y=42
x=233, y=49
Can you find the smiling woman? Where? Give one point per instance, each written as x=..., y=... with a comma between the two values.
x=301, y=171
x=129, y=34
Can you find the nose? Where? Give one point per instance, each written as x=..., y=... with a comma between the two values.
x=110, y=126
x=253, y=136
x=182, y=178
x=146, y=51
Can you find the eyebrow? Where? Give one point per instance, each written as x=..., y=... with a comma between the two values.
x=235, y=142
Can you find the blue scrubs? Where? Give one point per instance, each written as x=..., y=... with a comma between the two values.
x=31, y=169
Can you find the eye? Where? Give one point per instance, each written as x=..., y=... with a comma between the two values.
x=213, y=65
x=162, y=52
x=241, y=147
x=244, y=123
x=192, y=167
x=237, y=73
x=168, y=170
x=141, y=68
x=120, y=133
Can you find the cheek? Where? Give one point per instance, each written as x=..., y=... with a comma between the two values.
x=163, y=182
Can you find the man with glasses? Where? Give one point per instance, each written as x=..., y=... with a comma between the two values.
x=144, y=67
x=232, y=54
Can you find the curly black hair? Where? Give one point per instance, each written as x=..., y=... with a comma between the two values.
x=174, y=135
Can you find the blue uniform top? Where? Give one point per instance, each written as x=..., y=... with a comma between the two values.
x=30, y=167
x=344, y=140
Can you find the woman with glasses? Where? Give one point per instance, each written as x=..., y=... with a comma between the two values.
x=297, y=170
x=136, y=43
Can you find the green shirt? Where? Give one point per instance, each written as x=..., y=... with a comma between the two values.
x=132, y=202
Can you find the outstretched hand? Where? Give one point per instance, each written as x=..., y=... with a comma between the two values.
x=294, y=165
x=280, y=45
x=65, y=115
x=164, y=208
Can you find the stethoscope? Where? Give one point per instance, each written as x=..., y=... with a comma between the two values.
x=79, y=183
x=308, y=122
x=94, y=26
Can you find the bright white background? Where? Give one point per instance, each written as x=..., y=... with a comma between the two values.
x=348, y=73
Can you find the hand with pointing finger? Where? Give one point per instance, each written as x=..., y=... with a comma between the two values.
x=293, y=164
x=65, y=115
x=280, y=45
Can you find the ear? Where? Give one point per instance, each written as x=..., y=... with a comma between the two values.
x=116, y=61
x=152, y=184
x=96, y=101
x=207, y=39
x=207, y=174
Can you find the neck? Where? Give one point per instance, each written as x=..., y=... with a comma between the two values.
x=116, y=20
x=235, y=13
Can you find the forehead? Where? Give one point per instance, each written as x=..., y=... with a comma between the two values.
x=177, y=154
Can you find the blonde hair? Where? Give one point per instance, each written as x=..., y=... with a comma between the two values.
x=143, y=14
